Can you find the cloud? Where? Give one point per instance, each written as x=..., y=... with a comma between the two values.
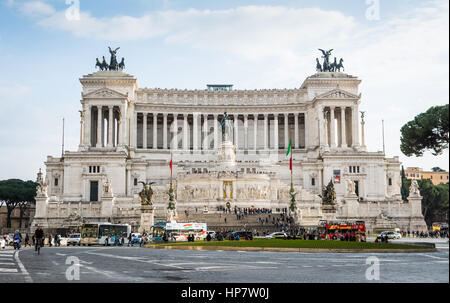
x=34, y=8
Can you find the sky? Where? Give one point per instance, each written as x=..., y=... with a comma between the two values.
x=399, y=49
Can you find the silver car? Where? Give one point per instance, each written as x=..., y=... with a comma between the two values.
x=74, y=239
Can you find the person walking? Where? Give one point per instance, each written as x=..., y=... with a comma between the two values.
x=130, y=240
x=38, y=237
x=50, y=240
x=27, y=240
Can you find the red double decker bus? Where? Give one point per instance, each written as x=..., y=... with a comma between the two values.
x=350, y=230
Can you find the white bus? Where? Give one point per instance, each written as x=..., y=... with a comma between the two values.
x=104, y=233
x=180, y=231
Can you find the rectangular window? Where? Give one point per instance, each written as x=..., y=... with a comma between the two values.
x=94, y=191
x=390, y=181
x=135, y=181
x=56, y=181
x=313, y=182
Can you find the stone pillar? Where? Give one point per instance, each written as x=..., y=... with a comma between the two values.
x=175, y=132
x=144, y=131
x=205, y=132
x=286, y=131
x=155, y=131
x=275, y=132
x=246, y=132
x=88, y=126
x=82, y=123
x=216, y=142
x=110, y=126
x=363, y=141
x=147, y=218
x=135, y=132
x=185, y=132
x=266, y=132
x=99, y=127
x=332, y=129
x=165, y=131
x=120, y=132
x=255, y=131
x=306, y=130
x=296, y=139
x=355, y=128
x=236, y=131
x=195, y=131
x=343, y=130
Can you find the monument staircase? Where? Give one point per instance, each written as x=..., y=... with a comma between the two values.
x=216, y=221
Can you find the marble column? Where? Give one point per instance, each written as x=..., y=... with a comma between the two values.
x=275, y=132
x=155, y=130
x=135, y=132
x=165, y=131
x=175, y=132
x=205, y=132
x=216, y=132
x=266, y=133
x=185, y=132
x=296, y=139
x=343, y=130
x=245, y=132
x=144, y=131
x=286, y=131
x=99, y=126
x=120, y=132
x=332, y=127
x=110, y=126
x=255, y=131
x=82, y=123
x=236, y=131
x=88, y=126
x=355, y=128
x=195, y=131
x=306, y=130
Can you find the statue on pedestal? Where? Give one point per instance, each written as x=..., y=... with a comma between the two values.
x=414, y=189
x=328, y=194
x=227, y=128
x=351, y=187
x=146, y=194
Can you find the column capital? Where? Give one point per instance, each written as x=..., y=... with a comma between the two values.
x=245, y=116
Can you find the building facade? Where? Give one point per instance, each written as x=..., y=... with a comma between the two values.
x=436, y=177
x=128, y=135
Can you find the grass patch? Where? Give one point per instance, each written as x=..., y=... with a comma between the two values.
x=280, y=243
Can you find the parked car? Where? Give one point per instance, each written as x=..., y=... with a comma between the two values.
x=391, y=234
x=243, y=235
x=74, y=239
x=136, y=238
x=277, y=235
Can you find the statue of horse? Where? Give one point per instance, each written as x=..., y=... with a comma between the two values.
x=333, y=66
x=98, y=64
x=318, y=66
x=122, y=64
x=104, y=64
x=340, y=65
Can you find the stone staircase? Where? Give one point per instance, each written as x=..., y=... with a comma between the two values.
x=216, y=221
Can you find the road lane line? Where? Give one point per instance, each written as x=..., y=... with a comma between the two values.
x=434, y=257
x=22, y=268
x=9, y=270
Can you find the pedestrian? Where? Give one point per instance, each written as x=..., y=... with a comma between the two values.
x=50, y=240
x=130, y=240
x=27, y=240
x=58, y=237
x=2, y=243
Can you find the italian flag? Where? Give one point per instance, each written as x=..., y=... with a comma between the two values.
x=289, y=151
x=170, y=163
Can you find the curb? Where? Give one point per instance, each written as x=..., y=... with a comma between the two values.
x=300, y=250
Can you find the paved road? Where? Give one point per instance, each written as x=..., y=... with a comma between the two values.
x=133, y=264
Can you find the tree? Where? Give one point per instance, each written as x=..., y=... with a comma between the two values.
x=428, y=131
x=15, y=192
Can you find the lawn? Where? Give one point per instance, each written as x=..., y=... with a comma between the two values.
x=280, y=243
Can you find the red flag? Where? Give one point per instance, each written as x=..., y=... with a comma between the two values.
x=290, y=163
x=170, y=164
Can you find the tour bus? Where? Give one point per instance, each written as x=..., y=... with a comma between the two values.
x=333, y=230
x=180, y=231
x=104, y=233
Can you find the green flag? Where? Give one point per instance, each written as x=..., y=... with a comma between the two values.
x=289, y=148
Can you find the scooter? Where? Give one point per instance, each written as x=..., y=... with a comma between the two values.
x=16, y=243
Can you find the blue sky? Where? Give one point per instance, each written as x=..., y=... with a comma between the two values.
x=402, y=59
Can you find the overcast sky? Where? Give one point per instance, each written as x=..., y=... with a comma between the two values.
x=399, y=49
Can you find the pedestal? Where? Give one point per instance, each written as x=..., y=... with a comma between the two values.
x=107, y=206
x=40, y=216
x=417, y=222
x=351, y=206
x=226, y=154
x=147, y=218
x=328, y=212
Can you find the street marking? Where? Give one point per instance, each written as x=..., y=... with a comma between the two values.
x=433, y=256
x=8, y=270
x=22, y=268
x=10, y=263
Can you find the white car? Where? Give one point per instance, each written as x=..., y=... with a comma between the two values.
x=74, y=239
x=276, y=235
x=391, y=234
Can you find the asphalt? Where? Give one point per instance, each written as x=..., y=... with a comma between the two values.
x=144, y=265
